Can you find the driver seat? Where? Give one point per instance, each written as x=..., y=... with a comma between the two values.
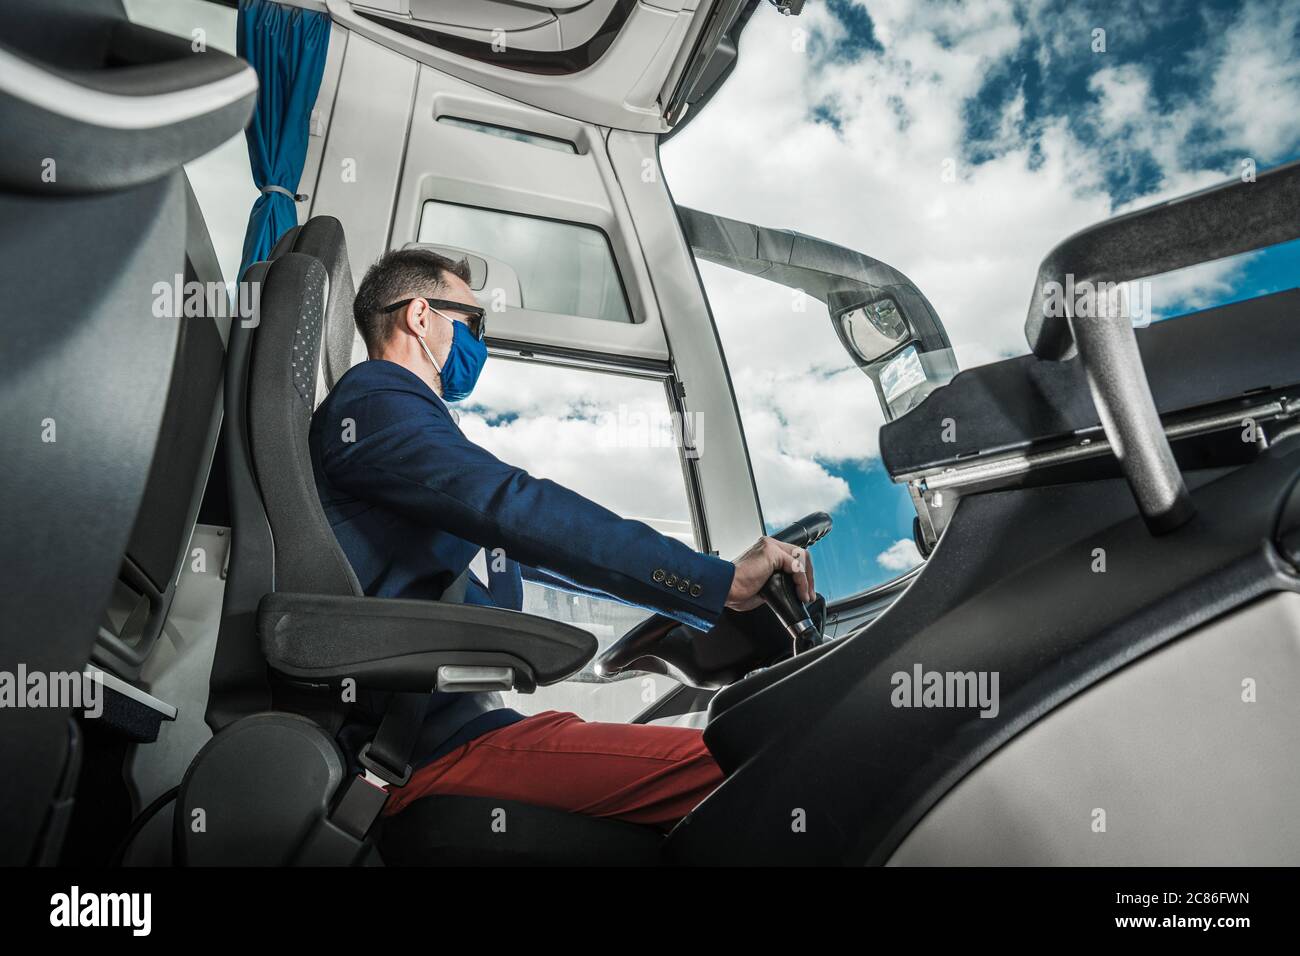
x=295, y=623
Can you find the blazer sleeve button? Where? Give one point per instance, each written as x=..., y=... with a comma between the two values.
x=672, y=581
x=658, y=576
x=695, y=590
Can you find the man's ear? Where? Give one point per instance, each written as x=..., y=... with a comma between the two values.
x=416, y=317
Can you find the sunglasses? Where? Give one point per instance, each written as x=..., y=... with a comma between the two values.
x=477, y=320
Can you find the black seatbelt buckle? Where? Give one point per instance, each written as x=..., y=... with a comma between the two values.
x=393, y=778
x=341, y=833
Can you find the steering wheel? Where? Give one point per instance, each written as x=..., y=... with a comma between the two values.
x=741, y=640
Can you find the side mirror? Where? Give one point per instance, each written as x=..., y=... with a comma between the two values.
x=487, y=276
x=882, y=319
x=905, y=360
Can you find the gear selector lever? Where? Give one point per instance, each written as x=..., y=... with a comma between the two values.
x=780, y=596
x=779, y=592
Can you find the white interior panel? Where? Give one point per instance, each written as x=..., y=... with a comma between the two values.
x=620, y=90
x=363, y=148
x=449, y=163
x=321, y=116
x=726, y=484
x=1187, y=770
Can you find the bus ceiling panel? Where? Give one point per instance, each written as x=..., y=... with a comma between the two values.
x=540, y=197
x=602, y=62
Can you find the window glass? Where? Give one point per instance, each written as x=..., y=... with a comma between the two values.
x=609, y=437
x=811, y=423
x=222, y=179
x=961, y=142
x=562, y=267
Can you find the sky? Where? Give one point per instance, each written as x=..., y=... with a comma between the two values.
x=842, y=123
x=958, y=142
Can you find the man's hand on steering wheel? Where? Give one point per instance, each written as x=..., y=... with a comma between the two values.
x=760, y=562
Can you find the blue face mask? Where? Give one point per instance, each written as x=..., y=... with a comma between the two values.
x=464, y=361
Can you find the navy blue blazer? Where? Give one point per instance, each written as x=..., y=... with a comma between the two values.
x=411, y=500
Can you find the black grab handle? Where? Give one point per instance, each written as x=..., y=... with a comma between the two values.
x=1224, y=220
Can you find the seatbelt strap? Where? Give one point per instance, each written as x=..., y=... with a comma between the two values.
x=455, y=592
x=387, y=758
x=388, y=755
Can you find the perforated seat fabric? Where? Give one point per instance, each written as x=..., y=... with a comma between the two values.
x=322, y=238
x=282, y=390
x=238, y=684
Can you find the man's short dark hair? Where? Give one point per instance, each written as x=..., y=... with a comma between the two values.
x=397, y=275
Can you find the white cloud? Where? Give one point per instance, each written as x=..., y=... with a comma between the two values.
x=1125, y=93
x=900, y=556
x=805, y=406
x=1188, y=290
x=1256, y=88
x=972, y=246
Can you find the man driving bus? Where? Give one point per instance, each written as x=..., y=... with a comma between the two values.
x=412, y=500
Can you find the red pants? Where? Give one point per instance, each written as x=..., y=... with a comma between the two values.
x=635, y=772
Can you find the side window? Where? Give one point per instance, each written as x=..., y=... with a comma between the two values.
x=611, y=437
x=811, y=422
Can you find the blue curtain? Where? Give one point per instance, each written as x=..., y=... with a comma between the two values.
x=286, y=46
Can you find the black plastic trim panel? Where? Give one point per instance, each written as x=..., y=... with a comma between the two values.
x=1010, y=589
x=1212, y=356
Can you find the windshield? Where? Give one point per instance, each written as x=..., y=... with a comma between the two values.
x=959, y=144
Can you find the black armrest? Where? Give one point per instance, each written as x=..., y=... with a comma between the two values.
x=391, y=644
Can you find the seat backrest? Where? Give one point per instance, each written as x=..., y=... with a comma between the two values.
x=187, y=439
x=280, y=537
x=95, y=215
x=281, y=398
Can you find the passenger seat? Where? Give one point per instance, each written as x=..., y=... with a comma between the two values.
x=91, y=218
